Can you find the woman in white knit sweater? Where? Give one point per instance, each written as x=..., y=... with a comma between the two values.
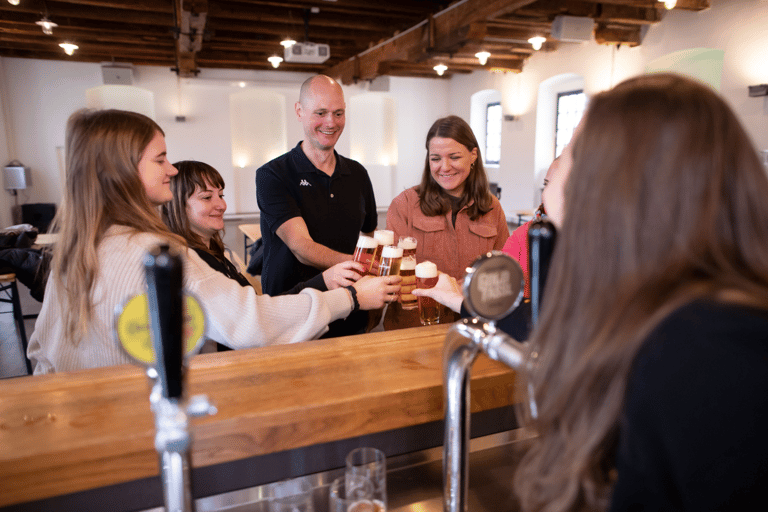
x=117, y=176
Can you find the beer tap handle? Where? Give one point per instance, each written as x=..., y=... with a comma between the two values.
x=541, y=244
x=165, y=297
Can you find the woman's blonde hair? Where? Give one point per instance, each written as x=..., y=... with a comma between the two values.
x=103, y=188
x=665, y=204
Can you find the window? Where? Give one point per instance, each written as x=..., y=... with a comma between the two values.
x=493, y=133
x=570, y=108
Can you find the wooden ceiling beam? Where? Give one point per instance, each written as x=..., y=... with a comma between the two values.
x=629, y=35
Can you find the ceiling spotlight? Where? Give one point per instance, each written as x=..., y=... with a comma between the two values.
x=47, y=25
x=482, y=57
x=440, y=68
x=69, y=48
x=287, y=42
x=670, y=4
x=537, y=41
x=275, y=60
x=13, y=2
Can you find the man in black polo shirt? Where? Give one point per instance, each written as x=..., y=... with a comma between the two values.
x=314, y=202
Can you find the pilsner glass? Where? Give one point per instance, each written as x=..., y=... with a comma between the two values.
x=364, y=251
x=391, y=259
x=408, y=273
x=408, y=243
x=426, y=277
x=369, y=464
x=383, y=237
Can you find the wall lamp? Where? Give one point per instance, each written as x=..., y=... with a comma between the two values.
x=758, y=90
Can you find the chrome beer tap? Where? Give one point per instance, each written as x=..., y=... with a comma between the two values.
x=492, y=289
x=157, y=342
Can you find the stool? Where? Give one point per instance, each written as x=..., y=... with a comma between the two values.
x=9, y=293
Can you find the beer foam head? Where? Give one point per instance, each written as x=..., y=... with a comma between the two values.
x=390, y=251
x=407, y=243
x=384, y=237
x=408, y=263
x=426, y=270
x=367, y=242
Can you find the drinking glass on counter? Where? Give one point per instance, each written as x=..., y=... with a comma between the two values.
x=408, y=273
x=391, y=259
x=365, y=251
x=291, y=496
x=426, y=277
x=408, y=243
x=384, y=237
x=369, y=464
x=352, y=494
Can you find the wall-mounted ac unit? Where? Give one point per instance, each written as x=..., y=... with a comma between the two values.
x=572, y=29
x=308, y=53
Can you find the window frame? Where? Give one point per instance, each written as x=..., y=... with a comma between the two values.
x=558, y=118
x=486, y=153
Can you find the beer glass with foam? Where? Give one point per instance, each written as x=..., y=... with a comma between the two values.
x=408, y=243
x=383, y=237
x=364, y=251
x=426, y=277
x=391, y=259
x=408, y=273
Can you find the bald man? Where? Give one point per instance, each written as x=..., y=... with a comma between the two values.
x=314, y=202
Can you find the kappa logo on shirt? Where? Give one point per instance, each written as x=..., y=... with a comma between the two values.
x=304, y=183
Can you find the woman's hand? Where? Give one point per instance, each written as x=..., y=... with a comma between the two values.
x=343, y=274
x=447, y=292
x=374, y=292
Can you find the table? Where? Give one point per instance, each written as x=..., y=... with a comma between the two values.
x=521, y=214
x=9, y=293
x=250, y=232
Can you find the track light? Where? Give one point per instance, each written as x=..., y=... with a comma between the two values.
x=69, y=48
x=47, y=25
x=440, y=68
x=537, y=41
x=275, y=60
x=482, y=57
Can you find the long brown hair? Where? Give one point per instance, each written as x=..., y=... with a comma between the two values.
x=102, y=188
x=433, y=200
x=192, y=175
x=665, y=204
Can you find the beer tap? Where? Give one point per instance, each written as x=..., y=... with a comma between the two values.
x=492, y=288
x=156, y=341
x=541, y=244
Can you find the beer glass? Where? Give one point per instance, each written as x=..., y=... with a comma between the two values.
x=364, y=251
x=370, y=464
x=291, y=496
x=391, y=259
x=383, y=237
x=408, y=273
x=352, y=494
x=426, y=277
x=408, y=243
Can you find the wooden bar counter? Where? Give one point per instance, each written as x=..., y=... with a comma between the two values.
x=67, y=433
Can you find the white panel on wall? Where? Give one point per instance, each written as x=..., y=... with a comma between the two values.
x=258, y=125
x=373, y=140
x=122, y=97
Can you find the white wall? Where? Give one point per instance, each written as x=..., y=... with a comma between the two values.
x=38, y=96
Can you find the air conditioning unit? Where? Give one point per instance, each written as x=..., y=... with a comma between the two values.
x=307, y=53
x=572, y=29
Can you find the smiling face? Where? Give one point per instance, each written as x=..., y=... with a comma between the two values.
x=450, y=163
x=321, y=112
x=155, y=171
x=205, y=211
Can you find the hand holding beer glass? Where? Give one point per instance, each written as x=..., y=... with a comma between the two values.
x=429, y=308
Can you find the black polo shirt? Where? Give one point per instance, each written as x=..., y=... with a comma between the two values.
x=335, y=208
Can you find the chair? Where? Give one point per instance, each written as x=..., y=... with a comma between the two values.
x=251, y=233
x=9, y=293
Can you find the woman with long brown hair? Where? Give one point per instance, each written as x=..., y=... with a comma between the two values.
x=452, y=213
x=117, y=177
x=650, y=359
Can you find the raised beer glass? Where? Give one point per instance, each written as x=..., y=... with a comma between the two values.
x=426, y=277
x=364, y=251
x=383, y=237
x=391, y=259
x=408, y=273
x=408, y=243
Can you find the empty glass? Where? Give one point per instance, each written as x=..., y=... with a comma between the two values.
x=291, y=496
x=371, y=465
x=355, y=496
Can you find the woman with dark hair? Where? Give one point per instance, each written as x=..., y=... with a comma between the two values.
x=650, y=368
x=117, y=175
x=452, y=213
